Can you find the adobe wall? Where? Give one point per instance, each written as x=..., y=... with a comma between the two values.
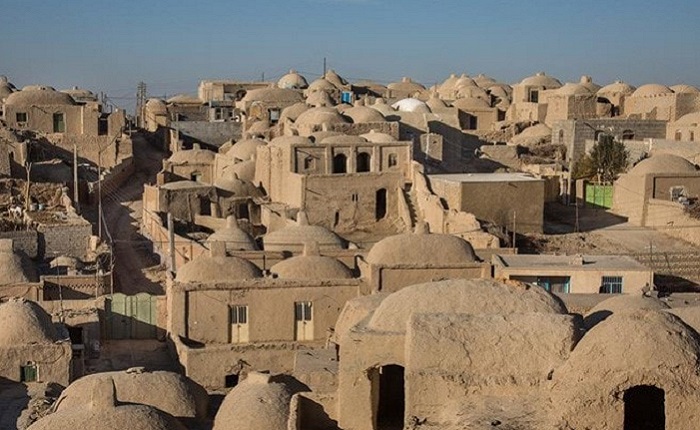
x=670, y=218
x=25, y=241
x=64, y=239
x=40, y=118
x=583, y=281
x=663, y=185
x=214, y=133
x=393, y=279
x=630, y=194
x=53, y=361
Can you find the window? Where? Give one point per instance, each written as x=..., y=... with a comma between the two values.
x=364, y=162
x=218, y=115
x=644, y=408
x=274, y=115
x=555, y=284
x=59, y=123
x=304, y=323
x=196, y=176
x=238, y=316
x=534, y=96
x=340, y=163
x=354, y=197
x=611, y=285
x=561, y=137
x=309, y=163
x=393, y=160
x=29, y=373
x=678, y=135
x=21, y=117
x=691, y=136
x=380, y=207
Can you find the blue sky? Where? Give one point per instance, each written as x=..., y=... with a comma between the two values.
x=172, y=45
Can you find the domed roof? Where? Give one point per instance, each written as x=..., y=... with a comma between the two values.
x=484, y=81
x=293, y=80
x=319, y=136
x=39, y=96
x=131, y=417
x=280, y=95
x=406, y=85
x=376, y=137
x=464, y=81
x=14, y=269
x=621, y=304
x=257, y=403
x=343, y=139
x=192, y=156
x=690, y=119
x=5, y=90
x=210, y=269
x=245, y=149
x=258, y=127
x=363, y=114
x=500, y=91
x=322, y=84
x=465, y=296
x=80, y=94
x=411, y=105
x=533, y=135
x=663, y=163
x=320, y=115
x=435, y=103
x=570, y=89
x=617, y=87
x=243, y=170
x=541, y=80
x=236, y=186
x=184, y=99
x=311, y=266
x=684, y=89
x=292, y=112
x=320, y=99
x=449, y=84
x=169, y=392
x=423, y=249
x=470, y=103
x=335, y=79
x=651, y=90
x=235, y=238
x=383, y=108
x=473, y=92
x=24, y=322
x=156, y=106
x=290, y=140
x=293, y=237
x=588, y=83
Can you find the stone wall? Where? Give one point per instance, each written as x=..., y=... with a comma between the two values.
x=64, y=239
x=25, y=241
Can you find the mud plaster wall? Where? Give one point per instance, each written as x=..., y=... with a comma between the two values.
x=52, y=360
x=64, y=239
x=582, y=281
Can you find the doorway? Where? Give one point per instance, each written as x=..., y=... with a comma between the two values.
x=380, y=209
x=645, y=408
x=391, y=401
x=340, y=163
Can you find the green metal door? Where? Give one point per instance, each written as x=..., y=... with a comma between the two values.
x=132, y=317
x=29, y=373
x=599, y=195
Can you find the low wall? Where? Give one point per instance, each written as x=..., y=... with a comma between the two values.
x=76, y=287
x=670, y=218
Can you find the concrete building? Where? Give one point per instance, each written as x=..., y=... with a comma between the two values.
x=511, y=200
x=575, y=274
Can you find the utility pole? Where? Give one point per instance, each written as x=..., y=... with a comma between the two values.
x=140, y=104
x=324, y=67
x=514, y=215
x=76, y=193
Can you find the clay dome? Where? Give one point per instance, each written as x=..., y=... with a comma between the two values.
x=483, y=81
x=169, y=392
x=209, y=269
x=80, y=94
x=533, y=135
x=684, y=89
x=245, y=149
x=292, y=112
x=376, y=137
x=411, y=105
x=502, y=92
x=473, y=92
x=293, y=80
x=621, y=304
x=466, y=296
x=24, y=322
x=192, y=156
x=257, y=403
x=541, y=80
x=320, y=115
x=131, y=417
x=406, y=85
x=321, y=84
x=293, y=237
x=422, y=249
x=257, y=127
x=290, y=140
x=236, y=187
x=14, y=269
x=690, y=119
x=273, y=95
x=618, y=87
x=5, y=90
x=363, y=114
x=320, y=99
x=311, y=266
x=651, y=90
x=243, y=170
x=470, y=103
x=464, y=81
x=588, y=83
x=335, y=79
x=39, y=96
x=435, y=103
x=663, y=163
x=570, y=89
x=449, y=84
x=235, y=238
x=320, y=136
x=156, y=106
x=383, y=108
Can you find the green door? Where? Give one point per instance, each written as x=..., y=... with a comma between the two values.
x=59, y=123
x=132, y=317
x=28, y=373
x=600, y=196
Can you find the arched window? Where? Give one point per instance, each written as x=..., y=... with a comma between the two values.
x=340, y=163
x=678, y=135
x=364, y=161
x=644, y=408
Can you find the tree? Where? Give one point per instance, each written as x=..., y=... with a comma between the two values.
x=607, y=159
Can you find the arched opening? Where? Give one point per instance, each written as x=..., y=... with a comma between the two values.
x=678, y=135
x=363, y=162
x=628, y=135
x=380, y=207
x=691, y=136
x=644, y=408
x=390, y=396
x=561, y=137
x=340, y=163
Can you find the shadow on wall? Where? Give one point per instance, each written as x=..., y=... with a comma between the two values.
x=562, y=219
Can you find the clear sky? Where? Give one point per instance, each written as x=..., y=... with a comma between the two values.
x=171, y=45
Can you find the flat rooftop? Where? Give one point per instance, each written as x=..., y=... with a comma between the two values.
x=485, y=177
x=579, y=262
